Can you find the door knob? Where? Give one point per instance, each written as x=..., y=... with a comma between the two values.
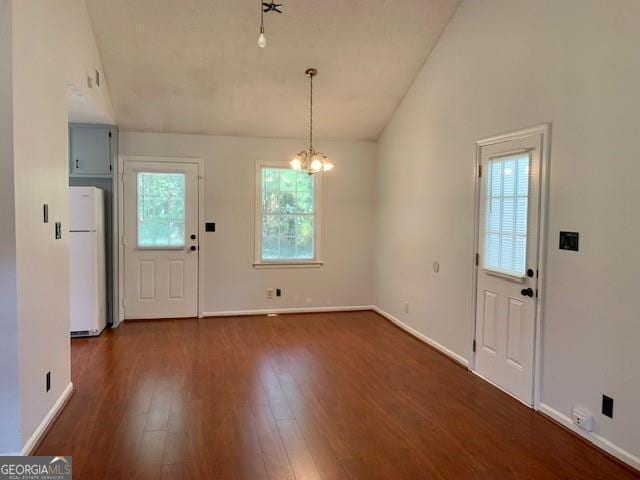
x=527, y=292
x=193, y=236
x=193, y=248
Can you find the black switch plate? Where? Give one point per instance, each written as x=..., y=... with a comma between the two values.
x=607, y=406
x=58, y=230
x=569, y=241
x=45, y=213
x=210, y=227
x=48, y=381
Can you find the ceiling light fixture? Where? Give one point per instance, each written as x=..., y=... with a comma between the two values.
x=266, y=8
x=309, y=160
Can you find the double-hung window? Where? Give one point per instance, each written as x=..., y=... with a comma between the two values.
x=287, y=216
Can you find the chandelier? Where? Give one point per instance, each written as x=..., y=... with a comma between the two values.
x=309, y=160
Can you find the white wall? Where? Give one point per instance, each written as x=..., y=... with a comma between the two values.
x=230, y=281
x=52, y=47
x=502, y=65
x=9, y=400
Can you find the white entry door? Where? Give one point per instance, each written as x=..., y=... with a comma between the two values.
x=507, y=275
x=160, y=239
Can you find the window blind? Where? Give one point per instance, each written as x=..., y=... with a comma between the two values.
x=506, y=204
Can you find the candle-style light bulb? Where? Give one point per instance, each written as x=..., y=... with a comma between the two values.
x=262, y=40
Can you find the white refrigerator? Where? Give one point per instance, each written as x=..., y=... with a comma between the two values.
x=87, y=261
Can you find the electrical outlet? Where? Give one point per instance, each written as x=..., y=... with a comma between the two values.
x=278, y=292
x=269, y=293
x=406, y=307
x=48, y=381
x=582, y=418
x=607, y=406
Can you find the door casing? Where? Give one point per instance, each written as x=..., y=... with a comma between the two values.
x=544, y=130
x=201, y=253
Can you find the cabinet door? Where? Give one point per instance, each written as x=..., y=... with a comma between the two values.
x=90, y=149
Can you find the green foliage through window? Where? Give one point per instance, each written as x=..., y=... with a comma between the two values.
x=161, y=203
x=288, y=214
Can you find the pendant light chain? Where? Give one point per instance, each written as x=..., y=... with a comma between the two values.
x=311, y=115
x=261, y=18
x=262, y=39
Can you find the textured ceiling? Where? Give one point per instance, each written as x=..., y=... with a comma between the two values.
x=193, y=66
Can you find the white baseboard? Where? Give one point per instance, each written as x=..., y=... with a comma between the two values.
x=450, y=353
x=42, y=429
x=528, y=405
x=241, y=313
x=598, y=440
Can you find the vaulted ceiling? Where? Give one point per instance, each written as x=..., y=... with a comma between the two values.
x=193, y=66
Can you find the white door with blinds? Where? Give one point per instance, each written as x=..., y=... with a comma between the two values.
x=160, y=239
x=506, y=300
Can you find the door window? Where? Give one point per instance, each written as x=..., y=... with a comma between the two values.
x=507, y=202
x=161, y=210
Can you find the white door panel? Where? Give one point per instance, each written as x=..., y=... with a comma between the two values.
x=490, y=322
x=176, y=279
x=508, y=258
x=146, y=280
x=516, y=313
x=161, y=245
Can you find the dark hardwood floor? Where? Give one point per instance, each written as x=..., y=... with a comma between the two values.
x=318, y=396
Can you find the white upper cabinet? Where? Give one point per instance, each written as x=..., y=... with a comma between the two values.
x=91, y=150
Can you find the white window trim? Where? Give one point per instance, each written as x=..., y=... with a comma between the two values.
x=491, y=270
x=315, y=262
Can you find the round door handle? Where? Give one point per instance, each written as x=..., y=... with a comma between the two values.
x=527, y=292
x=193, y=236
x=194, y=248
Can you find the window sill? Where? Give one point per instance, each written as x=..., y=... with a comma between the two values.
x=309, y=264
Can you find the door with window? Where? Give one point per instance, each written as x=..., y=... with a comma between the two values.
x=507, y=276
x=160, y=239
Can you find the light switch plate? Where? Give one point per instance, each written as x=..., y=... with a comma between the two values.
x=569, y=241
